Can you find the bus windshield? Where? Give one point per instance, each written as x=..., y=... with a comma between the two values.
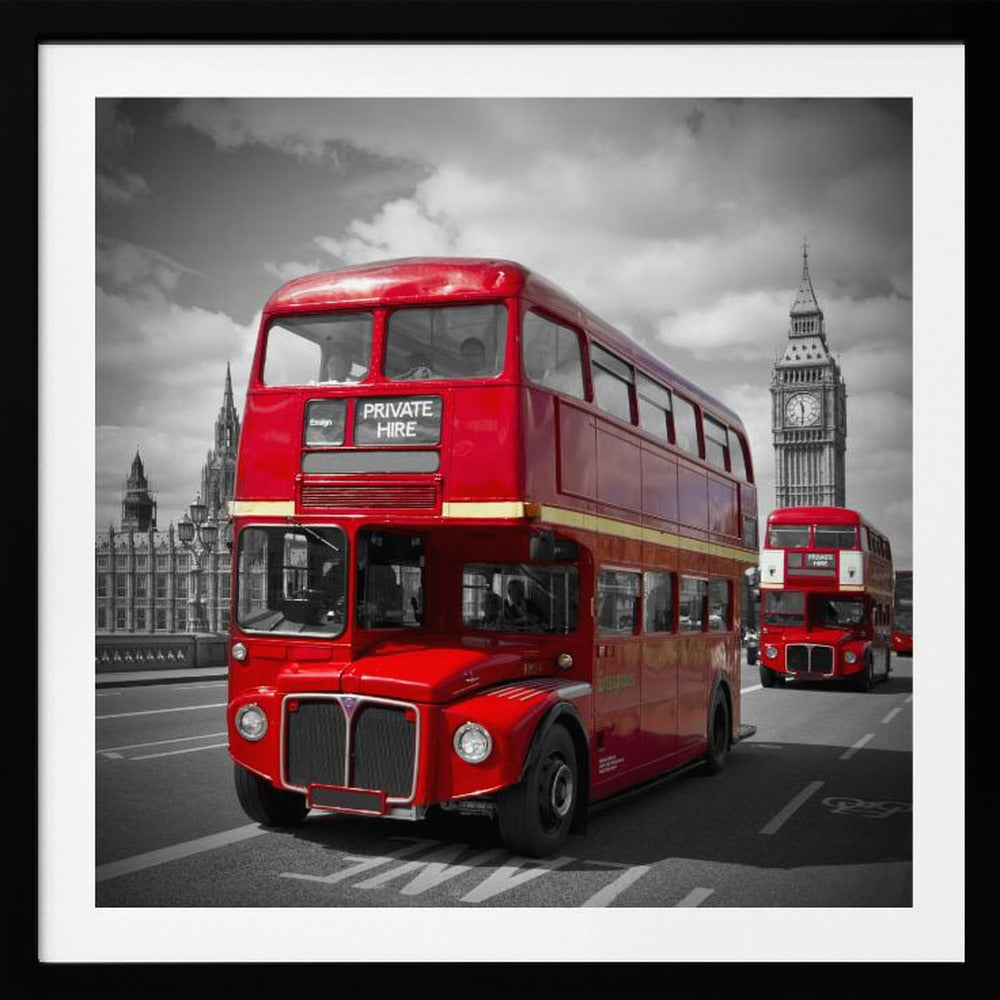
x=390, y=580
x=788, y=536
x=519, y=598
x=292, y=580
x=334, y=349
x=836, y=536
x=446, y=342
x=841, y=612
x=784, y=607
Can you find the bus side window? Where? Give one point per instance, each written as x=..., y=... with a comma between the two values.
x=685, y=426
x=658, y=602
x=617, y=601
x=552, y=356
x=719, y=605
x=737, y=463
x=716, y=441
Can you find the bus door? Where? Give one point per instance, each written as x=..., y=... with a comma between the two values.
x=617, y=674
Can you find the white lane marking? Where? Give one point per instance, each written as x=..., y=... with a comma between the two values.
x=160, y=711
x=892, y=715
x=852, y=750
x=509, y=877
x=159, y=743
x=171, y=753
x=603, y=897
x=108, y=694
x=117, y=756
x=695, y=897
x=785, y=813
x=908, y=700
x=127, y=866
x=431, y=870
x=755, y=687
x=361, y=864
x=200, y=684
x=766, y=746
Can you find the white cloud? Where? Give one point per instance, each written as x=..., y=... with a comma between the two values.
x=160, y=379
x=291, y=269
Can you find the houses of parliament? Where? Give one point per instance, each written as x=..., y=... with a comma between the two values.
x=149, y=580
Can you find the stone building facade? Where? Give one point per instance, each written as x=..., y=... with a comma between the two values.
x=808, y=409
x=146, y=579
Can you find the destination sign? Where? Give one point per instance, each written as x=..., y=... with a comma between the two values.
x=820, y=560
x=398, y=420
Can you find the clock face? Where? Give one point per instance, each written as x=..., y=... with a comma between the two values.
x=802, y=409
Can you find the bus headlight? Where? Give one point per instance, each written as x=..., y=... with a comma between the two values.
x=850, y=657
x=472, y=743
x=251, y=723
x=239, y=652
x=770, y=652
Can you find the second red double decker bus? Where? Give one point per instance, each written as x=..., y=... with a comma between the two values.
x=488, y=554
x=902, y=614
x=826, y=583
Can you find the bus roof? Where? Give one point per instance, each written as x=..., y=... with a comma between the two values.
x=814, y=515
x=412, y=278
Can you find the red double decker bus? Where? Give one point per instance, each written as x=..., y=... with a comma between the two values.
x=488, y=554
x=826, y=583
x=902, y=613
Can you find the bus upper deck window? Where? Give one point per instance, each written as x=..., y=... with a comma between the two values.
x=452, y=342
x=838, y=536
x=552, y=356
x=325, y=350
x=685, y=427
x=788, y=536
x=736, y=461
x=716, y=441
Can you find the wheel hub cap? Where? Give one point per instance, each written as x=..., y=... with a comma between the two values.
x=561, y=792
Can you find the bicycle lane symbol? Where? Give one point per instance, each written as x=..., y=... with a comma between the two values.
x=843, y=805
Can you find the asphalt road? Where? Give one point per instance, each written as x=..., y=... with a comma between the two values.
x=814, y=810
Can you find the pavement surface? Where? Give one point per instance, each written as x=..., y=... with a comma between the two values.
x=813, y=810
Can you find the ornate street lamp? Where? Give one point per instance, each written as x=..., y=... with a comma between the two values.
x=197, y=524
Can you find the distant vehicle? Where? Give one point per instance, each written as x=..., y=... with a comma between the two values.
x=826, y=582
x=753, y=646
x=902, y=614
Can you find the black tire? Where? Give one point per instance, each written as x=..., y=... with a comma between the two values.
x=535, y=815
x=865, y=679
x=769, y=678
x=718, y=733
x=262, y=802
x=751, y=656
x=888, y=666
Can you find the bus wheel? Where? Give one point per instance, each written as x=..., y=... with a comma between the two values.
x=535, y=815
x=865, y=680
x=768, y=678
x=265, y=803
x=718, y=734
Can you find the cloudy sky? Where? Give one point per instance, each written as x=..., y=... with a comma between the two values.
x=680, y=221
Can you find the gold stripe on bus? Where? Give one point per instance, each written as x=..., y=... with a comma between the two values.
x=261, y=508
x=608, y=526
x=500, y=508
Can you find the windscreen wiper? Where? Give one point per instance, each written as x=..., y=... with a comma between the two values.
x=315, y=534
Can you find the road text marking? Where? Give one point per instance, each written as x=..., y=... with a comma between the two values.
x=160, y=711
x=785, y=813
x=614, y=889
x=851, y=751
x=127, y=866
x=696, y=897
x=509, y=877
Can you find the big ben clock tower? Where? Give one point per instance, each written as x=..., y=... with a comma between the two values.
x=808, y=410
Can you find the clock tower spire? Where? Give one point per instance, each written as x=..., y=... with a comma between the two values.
x=808, y=408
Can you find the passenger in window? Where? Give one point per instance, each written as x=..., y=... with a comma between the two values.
x=492, y=606
x=339, y=364
x=419, y=367
x=473, y=356
x=517, y=608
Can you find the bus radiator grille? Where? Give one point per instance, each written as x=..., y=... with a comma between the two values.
x=384, y=749
x=797, y=658
x=381, y=496
x=316, y=744
x=821, y=661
